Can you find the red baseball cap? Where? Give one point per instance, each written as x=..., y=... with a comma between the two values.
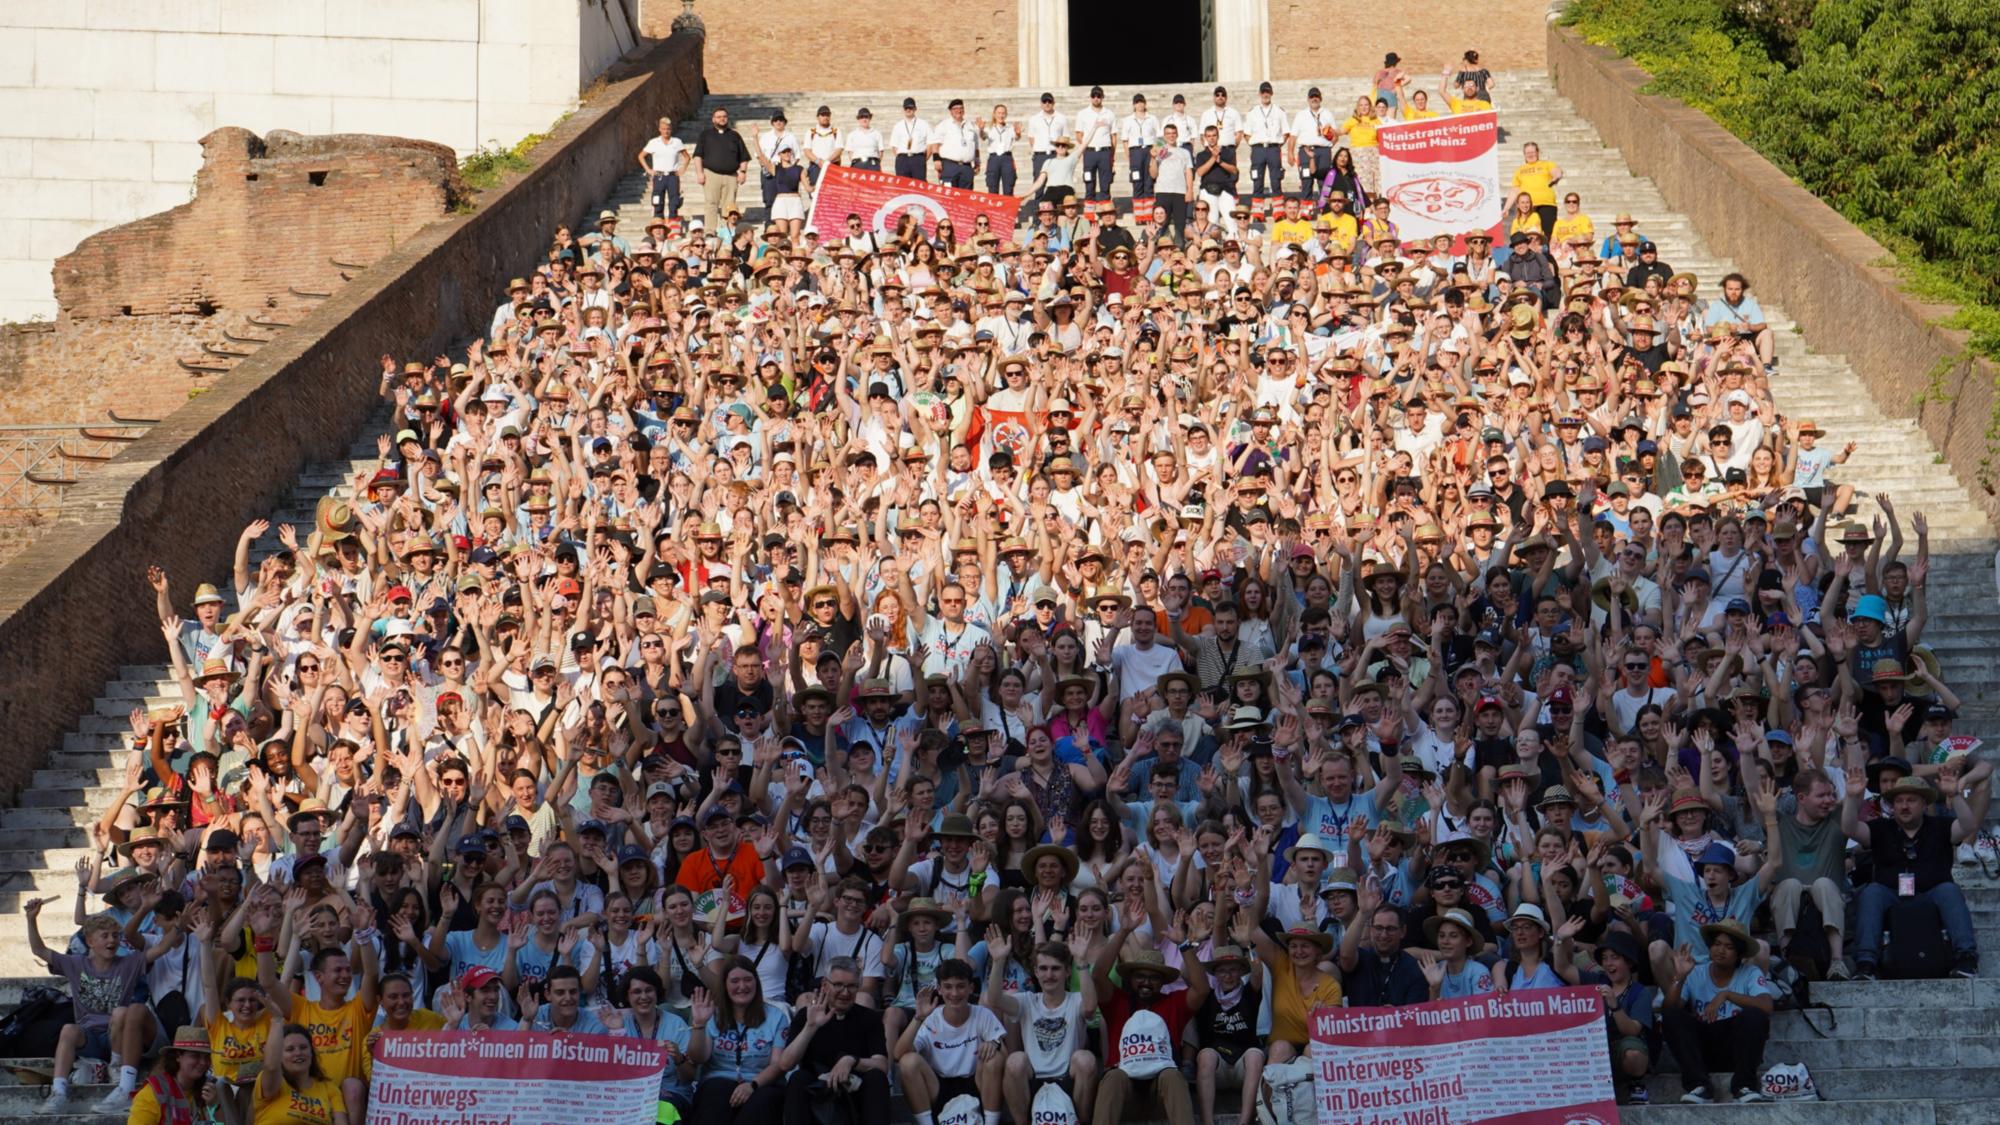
x=401, y=594
x=476, y=978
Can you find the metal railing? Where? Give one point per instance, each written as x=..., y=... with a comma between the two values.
x=39, y=462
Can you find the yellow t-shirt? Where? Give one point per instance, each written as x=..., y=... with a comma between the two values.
x=1342, y=230
x=1528, y=222
x=230, y=1046
x=338, y=1033
x=1537, y=179
x=421, y=1019
x=1412, y=113
x=1360, y=133
x=1574, y=226
x=1289, y=1009
x=1468, y=105
x=314, y=1105
x=1286, y=231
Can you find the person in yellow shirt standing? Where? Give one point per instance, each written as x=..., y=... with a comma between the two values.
x=1467, y=100
x=1417, y=107
x=1359, y=129
x=338, y=1025
x=399, y=1013
x=1538, y=178
x=1572, y=225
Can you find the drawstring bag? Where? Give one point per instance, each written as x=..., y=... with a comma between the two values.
x=1144, y=1047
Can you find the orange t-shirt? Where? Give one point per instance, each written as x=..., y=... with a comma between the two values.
x=699, y=872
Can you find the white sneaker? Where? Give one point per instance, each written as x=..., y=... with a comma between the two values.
x=56, y=1102
x=1697, y=1096
x=117, y=1101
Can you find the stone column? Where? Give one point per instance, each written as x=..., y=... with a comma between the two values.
x=1242, y=42
x=1044, y=37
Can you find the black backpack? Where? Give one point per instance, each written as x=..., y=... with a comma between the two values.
x=32, y=1030
x=1914, y=946
x=1809, y=953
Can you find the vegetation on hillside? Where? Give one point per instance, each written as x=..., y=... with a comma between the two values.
x=1886, y=111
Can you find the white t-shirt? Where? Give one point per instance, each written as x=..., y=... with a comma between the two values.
x=1139, y=669
x=666, y=152
x=953, y=1051
x=1049, y=1035
x=866, y=947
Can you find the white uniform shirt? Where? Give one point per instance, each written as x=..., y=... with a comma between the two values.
x=862, y=144
x=1001, y=138
x=1136, y=130
x=956, y=140
x=1094, y=126
x=1044, y=128
x=821, y=144
x=1306, y=125
x=1266, y=124
x=910, y=135
x=1185, y=128
x=1226, y=120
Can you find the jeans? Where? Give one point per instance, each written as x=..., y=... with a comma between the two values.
x=666, y=193
x=1097, y=173
x=1874, y=901
x=1140, y=159
x=711, y=1104
x=1267, y=169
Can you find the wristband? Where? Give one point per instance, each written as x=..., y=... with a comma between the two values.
x=368, y=934
x=264, y=945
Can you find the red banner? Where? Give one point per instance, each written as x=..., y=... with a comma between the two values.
x=881, y=199
x=506, y=1077
x=1441, y=175
x=1527, y=1058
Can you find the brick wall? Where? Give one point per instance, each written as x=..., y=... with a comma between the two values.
x=854, y=45
x=268, y=213
x=74, y=605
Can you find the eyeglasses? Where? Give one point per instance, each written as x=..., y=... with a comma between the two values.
x=308, y=667
x=392, y=658
x=651, y=644
x=824, y=603
x=451, y=663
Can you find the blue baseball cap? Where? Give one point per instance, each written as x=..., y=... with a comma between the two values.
x=518, y=823
x=798, y=857
x=470, y=845
x=632, y=853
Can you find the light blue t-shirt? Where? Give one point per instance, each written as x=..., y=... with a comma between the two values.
x=741, y=1053
x=1473, y=980
x=1700, y=988
x=1330, y=819
x=675, y=1033
x=1692, y=910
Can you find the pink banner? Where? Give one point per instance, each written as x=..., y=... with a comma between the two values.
x=1442, y=176
x=513, y=1078
x=1530, y=1058
x=881, y=198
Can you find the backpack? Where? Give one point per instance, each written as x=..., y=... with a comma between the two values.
x=1287, y=1096
x=1790, y=1082
x=1053, y=1107
x=32, y=1029
x=1914, y=946
x=1144, y=1047
x=961, y=1110
x=1808, y=952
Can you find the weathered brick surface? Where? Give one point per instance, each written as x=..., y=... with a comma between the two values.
x=1313, y=40
x=758, y=46
x=74, y=604
x=268, y=213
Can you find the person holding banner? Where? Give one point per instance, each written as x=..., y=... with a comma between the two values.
x=1301, y=979
x=642, y=1017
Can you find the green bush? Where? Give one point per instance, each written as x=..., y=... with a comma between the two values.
x=1883, y=110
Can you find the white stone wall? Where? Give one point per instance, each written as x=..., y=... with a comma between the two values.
x=102, y=102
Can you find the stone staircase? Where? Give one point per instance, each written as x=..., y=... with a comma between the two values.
x=1903, y=1052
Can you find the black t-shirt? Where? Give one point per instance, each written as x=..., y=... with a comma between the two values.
x=858, y=1032
x=1229, y=1031
x=730, y=698
x=1928, y=852
x=721, y=151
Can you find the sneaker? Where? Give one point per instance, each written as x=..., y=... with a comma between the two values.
x=54, y=1103
x=1698, y=1096
x=117, y=1101
x=1638, y=1095
x=1839, y=971
x=1864, y=971
x=1750, y=1096
x=1967, y=968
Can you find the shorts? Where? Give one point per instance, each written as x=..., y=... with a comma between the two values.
x=97, y=1044
x=1816, y=495
x=949, y=1088
x=1063, y=1080
x=1228, y=1072
x=1630, y=1043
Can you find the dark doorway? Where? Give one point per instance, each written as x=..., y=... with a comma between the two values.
x=1114, y=44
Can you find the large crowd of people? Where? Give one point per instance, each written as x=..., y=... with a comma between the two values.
x=938, y=664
